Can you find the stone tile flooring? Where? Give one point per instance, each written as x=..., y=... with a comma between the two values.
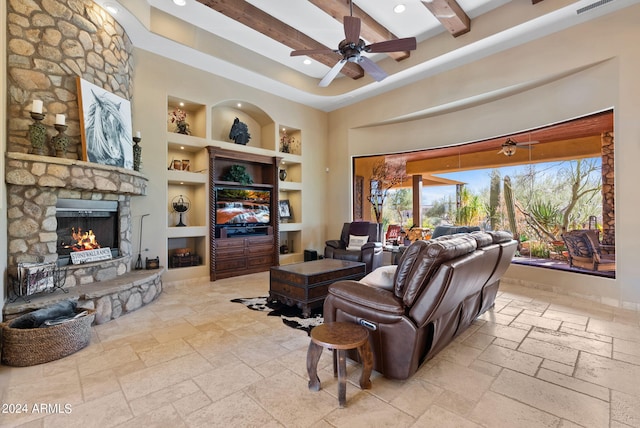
x=194, y=359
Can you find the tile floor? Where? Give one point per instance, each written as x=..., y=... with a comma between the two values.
x=194, y=359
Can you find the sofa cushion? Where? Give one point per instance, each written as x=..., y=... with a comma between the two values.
x=428, y=261
x=500, y=236
x=482, y=238
x=451, y=230
x=382, y=277
x=356, y=242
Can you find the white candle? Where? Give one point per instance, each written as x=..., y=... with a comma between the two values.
x=37, y=106
x=138, y=134
x=60, y=119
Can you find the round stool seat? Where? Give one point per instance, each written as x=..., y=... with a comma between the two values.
x=340, y=335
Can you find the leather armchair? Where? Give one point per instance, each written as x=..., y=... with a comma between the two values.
x=370, y=253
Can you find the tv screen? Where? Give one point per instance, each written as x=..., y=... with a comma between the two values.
x=236, y=206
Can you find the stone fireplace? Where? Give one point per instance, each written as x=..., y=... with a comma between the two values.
x=46, y=192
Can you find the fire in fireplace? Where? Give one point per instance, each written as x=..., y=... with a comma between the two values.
x=86, y=225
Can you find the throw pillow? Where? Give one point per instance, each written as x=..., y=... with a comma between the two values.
x=382, y=277
x=356, y=242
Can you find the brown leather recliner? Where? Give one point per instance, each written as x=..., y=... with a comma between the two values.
x=370, y=253
x=440, y=287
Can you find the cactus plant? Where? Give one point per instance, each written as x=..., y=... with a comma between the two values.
x=511, y=206
x=494, y=199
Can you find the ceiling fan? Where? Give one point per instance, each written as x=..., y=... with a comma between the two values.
x=509, y=147
x=352, y=47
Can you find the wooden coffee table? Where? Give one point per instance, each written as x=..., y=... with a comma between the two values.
x=306, y=284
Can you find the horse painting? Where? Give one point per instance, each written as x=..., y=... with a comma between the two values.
x=107, y=126
x=239, y=132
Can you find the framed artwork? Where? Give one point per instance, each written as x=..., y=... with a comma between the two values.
x=105, y=126
x=284, y=209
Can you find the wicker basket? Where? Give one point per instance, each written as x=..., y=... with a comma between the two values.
x=31, y=346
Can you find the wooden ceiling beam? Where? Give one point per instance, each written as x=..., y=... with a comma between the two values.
x=450, y=15
x=370, y=29
x=258, y=20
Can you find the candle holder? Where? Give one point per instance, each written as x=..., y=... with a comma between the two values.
x=137, y=153
x=60, y=141
x=38, y=134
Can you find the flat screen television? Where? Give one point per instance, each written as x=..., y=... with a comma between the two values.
x=242, y=206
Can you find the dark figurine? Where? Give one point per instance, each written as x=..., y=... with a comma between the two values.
x=239, y=132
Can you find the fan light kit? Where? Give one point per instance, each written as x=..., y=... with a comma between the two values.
x=352, y=47
x=508, y=147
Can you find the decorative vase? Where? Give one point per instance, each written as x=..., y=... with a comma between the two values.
x=37, y=134
x=60, y=141
x=283, y=174
x=182, y=127
x=137, y=153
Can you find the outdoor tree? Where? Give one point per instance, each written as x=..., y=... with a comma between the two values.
x=561, y=201
x=472, y=209
x=384, y=176
x=400, y=200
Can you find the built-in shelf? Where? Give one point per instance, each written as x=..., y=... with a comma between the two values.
x=187, y=231
x=184, y=177
x=286, y=227
x=189, y=175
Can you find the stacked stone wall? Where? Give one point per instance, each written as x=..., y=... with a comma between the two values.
x=608, y=190
x=49, y=44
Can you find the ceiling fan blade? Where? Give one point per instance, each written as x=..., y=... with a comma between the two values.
x=372, y=68
x=312, y=52
x=406, y=44
x=328, y=78
x=352, y=29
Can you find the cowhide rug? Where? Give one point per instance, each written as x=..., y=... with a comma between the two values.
x=291, y=315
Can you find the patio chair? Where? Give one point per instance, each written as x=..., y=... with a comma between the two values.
x=585, y=251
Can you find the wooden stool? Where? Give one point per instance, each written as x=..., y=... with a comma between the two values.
x=339, y=337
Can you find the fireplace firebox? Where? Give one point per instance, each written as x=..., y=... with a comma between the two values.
x=85, y=225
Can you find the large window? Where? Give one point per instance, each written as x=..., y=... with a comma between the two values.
x=538, y=184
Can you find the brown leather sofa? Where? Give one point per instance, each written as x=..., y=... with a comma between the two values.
x=439, y=288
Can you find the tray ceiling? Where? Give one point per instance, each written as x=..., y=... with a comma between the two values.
x=251, y=41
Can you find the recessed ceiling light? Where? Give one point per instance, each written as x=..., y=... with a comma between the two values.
x=399, y=8
x=180, y=2
x=181, y=147
x=239, y=105
x=111, y=8
x=181, y=104
x=306, y=61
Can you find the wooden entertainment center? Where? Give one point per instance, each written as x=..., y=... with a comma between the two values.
x=241, y=249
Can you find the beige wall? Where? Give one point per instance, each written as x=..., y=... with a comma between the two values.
x=155, y=79
x=574, y=72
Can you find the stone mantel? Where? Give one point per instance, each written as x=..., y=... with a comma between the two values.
x=47, y=171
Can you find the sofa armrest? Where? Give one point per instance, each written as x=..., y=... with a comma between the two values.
x=372, y=245
x=335, y=243
x=369, y=298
